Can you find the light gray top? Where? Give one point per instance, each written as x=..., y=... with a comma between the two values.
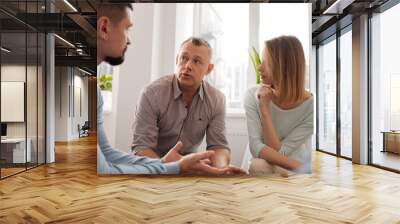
x=113, y=161
x=294, y=127
x=162, y=118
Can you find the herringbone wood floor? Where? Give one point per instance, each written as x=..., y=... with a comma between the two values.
x=69, y=191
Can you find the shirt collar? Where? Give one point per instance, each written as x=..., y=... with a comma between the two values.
x=201, y=91
x=178, y=92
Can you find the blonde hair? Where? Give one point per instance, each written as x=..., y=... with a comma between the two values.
x=285, y=57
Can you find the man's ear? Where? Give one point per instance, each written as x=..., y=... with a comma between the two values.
x=176, y=59
x=102, y=27
x=210, y=68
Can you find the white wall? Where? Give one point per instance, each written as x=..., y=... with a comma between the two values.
x=61, y=103
x=236, y=130
x=133, y=75
x=81, y=108
x=68, y=82
x=186, y=25
x=164, y=39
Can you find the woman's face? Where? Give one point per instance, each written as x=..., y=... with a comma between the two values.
x=265, y=70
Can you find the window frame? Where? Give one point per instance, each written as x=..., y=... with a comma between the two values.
x=334, y=37
x=379, y=10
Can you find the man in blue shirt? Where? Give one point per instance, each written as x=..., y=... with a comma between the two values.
x=113, y=23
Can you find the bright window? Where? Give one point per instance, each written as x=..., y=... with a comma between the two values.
x=346, y=94
x=327, y=97
x=286, y=19
x=385, y=84
x=227, y=28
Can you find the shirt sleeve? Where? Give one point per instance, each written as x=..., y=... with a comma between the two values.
x=299, y=135
x=113, y=161
x=216, y=131
x=253, y=120
x=145, y=128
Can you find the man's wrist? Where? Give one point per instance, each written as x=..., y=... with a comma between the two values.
x=221, y=159
x=173, y=168
x=182, y=167
x=219, y=163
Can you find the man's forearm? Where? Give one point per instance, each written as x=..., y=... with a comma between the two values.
x=148, y=153
x=221, y=158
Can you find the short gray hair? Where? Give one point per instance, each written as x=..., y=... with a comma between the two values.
x=197, y=41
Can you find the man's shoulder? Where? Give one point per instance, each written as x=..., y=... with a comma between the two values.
x=212, y=92
x=159, y=85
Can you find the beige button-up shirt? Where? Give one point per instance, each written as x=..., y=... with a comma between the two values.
x=162, y=118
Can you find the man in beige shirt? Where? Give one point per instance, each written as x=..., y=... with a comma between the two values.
x=182, y=107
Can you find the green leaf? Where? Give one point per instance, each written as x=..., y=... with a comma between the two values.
x=105, y=82
x=255, y=59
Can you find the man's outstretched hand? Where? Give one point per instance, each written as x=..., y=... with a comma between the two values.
x=199, y=162
x=173, y=154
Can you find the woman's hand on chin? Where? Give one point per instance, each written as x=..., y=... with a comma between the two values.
x=265, y=93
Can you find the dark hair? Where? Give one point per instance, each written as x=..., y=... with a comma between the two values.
x=196, y=41
x=114, y=11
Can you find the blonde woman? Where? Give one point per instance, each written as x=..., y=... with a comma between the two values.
x=279, y=112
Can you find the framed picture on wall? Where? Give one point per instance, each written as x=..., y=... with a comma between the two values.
x=12, y=101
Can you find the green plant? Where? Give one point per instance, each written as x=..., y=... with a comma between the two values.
x=255, y=59
x=105, y=82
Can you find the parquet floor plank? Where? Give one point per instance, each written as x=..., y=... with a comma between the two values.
x=70, y=191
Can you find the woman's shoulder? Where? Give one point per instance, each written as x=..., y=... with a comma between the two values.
x=308, y=103
x=252, y=91
x=307, y=106
x=308, y=95
x=251, y=95
x=309, y=99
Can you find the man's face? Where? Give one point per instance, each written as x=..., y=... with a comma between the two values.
x=193, y=63
x=116, y=40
